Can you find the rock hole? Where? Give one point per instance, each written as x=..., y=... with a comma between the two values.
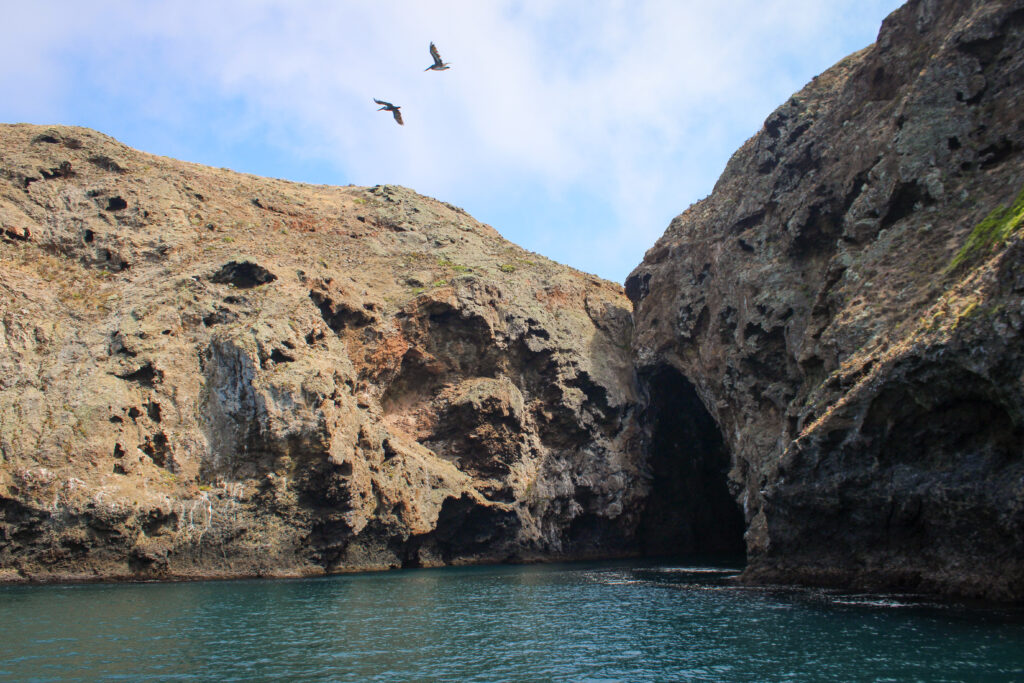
x=118, y=451
x=903, y=201
x=996, y=153
x=467, y=527
x=153, y=410
x=985, y=50
x=88, y=236
x=134, y=412
x=219, y=316
x=690, y=508
x=116, y=204
x=147, y=375
x=242, y=274
x=116, y=263
x=156, y=448
x=793, y=426
x=106, y=163
x=17, y=233
x=339, y=315
x=279, y=356
x=62, y=171
x=157, y=521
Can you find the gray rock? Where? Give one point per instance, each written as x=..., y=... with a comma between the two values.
x=862, y=365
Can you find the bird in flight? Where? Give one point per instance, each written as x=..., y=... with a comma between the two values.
x=387, y=106
x=438, y=65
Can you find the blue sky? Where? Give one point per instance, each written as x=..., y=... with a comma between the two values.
x=577, y=128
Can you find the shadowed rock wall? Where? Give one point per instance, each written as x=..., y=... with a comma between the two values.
x=847, y=305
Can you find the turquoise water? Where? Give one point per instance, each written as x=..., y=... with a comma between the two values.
x=558, y=622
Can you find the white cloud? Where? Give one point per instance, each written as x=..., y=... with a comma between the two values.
x=633, y=106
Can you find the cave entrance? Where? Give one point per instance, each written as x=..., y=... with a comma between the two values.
x=690, y=510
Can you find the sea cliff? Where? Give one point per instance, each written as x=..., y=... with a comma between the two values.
x=848, y=305
x=212, y=374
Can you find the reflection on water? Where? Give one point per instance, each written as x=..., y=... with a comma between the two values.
x=560, y=622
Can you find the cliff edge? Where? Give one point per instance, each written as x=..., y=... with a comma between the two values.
x=848, y=305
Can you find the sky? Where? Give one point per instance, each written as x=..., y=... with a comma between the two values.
x=577, y=128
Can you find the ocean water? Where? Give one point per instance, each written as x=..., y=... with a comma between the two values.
x=570, y=622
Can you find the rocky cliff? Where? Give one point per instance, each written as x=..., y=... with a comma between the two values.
x=211, y=374
x=206, y=373
x=844, y=314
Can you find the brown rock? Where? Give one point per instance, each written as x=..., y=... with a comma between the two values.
x=212, y=374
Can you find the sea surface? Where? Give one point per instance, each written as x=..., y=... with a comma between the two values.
x=569, y=622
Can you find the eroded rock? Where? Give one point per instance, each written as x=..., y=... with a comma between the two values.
x=315, y=380
x=850, y=323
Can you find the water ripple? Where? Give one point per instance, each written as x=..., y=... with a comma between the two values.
x=561, y=623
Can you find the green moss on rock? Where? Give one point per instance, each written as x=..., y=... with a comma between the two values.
x=992, y=231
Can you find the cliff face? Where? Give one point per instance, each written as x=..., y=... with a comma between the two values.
x=211, y=374
x=847, y=305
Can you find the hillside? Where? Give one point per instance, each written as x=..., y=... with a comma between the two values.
x=212, y=374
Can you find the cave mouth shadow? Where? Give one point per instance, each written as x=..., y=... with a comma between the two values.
x=689, y=510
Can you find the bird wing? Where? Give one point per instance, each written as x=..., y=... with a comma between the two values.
x=436, y=55
x=382, y=102
x=398, y=116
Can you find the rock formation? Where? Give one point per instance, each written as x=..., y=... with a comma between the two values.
x=210, y=374
x=847, y=308
x=206, y=373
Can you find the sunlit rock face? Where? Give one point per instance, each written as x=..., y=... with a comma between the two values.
x=847, y=306
x=206, y=373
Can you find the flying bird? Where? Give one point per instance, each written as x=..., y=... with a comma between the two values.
x=438, y=65
x=387, y=106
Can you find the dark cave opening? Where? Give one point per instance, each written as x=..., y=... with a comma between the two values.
x=689, y=510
